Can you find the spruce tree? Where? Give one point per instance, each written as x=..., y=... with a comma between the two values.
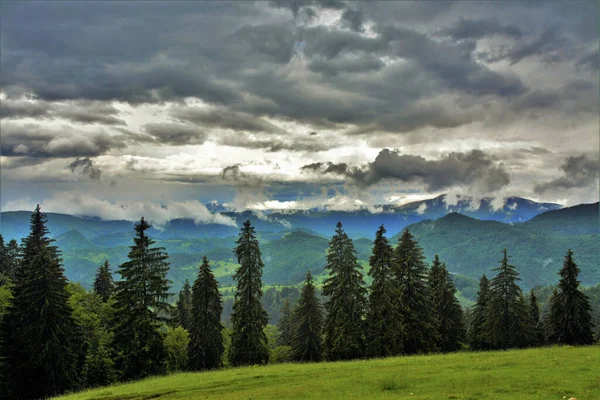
x=307, y=340
x=534, y=311
x=476, y=332
x=39, y=334
x=206, y=347
x=183, y=307
x=11, y=259
x=570, y=313
x=285, y=325
x=449, y=313
x=384, y=333
x=507, y=315
x=3, y=256
x=346, y=304
x=103, y=284
x=140, y=306
x=249, y=318
x=418, y=317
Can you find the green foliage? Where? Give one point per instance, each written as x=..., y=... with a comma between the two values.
x=346, y=304
x=307, y=340
x=418, y=318
x=103, y=284
x=39, y=343
x=140, y=300
x=447, y=309
x=477, y=321
x=206, y=346
x=176, y=343
x=537, y=326
x=248, y=340
x=285, y=325
x=384, y=331
x=183, y=308
x=281, y=354
x=92, y=315
x=10, y=257
x=570, y=314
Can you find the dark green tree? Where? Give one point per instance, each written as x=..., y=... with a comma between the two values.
x=570, y=312
x=249, y=318
x=418, y=317
x=140, y=306
x=507, y=315
x=206, y=347
x=285, y=325
x=346, y=304
x=307, y=339
x=449, y=313
x=39, y=334
x=183, y=307
x=3, y=256
x=10, y=259
x=384, y=332
x=476, y=332
x=536, y=323
x=103, y=284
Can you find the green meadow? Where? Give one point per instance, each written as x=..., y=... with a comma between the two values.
x=542, y=373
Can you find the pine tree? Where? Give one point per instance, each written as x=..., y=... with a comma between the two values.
x=449, y=314
x=307, y=340
x=206, y=347
x=249, y=318
x=346, y=305
x=11, y=259
x=418, y=317
x=3, y=256
x=183, y=308
x=103, y=284
x=384, y=333
x=534, y=311
x=39, y=333
x=570, y=313
x=476, y=332
x=507, y=314
x=140, y=305
x=285, y=325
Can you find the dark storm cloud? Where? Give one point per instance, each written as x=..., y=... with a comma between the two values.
x=85, y=167
x=226, y=119
x=38, y=141
x=81, y=112
x=466, y=28
x=578, y=171
x=353, y=20
x=472, y=169
x=175, y=134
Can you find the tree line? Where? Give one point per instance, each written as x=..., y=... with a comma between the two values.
x=56, y=337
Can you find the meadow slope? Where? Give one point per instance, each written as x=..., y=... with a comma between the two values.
x=543, y=373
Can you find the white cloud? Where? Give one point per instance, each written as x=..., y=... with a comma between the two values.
x=421, y=209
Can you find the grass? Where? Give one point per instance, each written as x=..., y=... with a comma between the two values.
x=546, y=373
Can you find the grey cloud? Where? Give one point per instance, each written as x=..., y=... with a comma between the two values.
x=578, y=171
x=225, y=119
x=276, y=144
x=466, y=28
x=326, y=168
x=86, y=167
x=346, y=65
x=590, y=60
x=474, y=169
x=353, y=20
x=175, y=134
x=37, y=141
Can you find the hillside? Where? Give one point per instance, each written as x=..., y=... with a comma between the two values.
x=543, y=373
x=472, y=247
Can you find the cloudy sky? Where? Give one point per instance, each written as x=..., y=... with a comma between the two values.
x=127, y=107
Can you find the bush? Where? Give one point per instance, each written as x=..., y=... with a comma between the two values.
x=176, y=345
x=281, y=354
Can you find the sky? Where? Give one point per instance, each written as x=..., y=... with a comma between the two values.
x=116, y=109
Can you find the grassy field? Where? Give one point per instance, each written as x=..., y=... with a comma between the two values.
x=548, y=373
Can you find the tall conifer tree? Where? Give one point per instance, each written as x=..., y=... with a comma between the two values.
x=140, y=308
x=39, y=334
x=183, y=307
x=249, y=318
x=307, y=339
x=384, y=333
x=346, y=306
x=418, y=317
x=449, y=314
x=205, y=350
x=476, y=332
x=507, y=314
x=534, y=311
x=285, y=325
x=570, y=313
x=103, y=284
